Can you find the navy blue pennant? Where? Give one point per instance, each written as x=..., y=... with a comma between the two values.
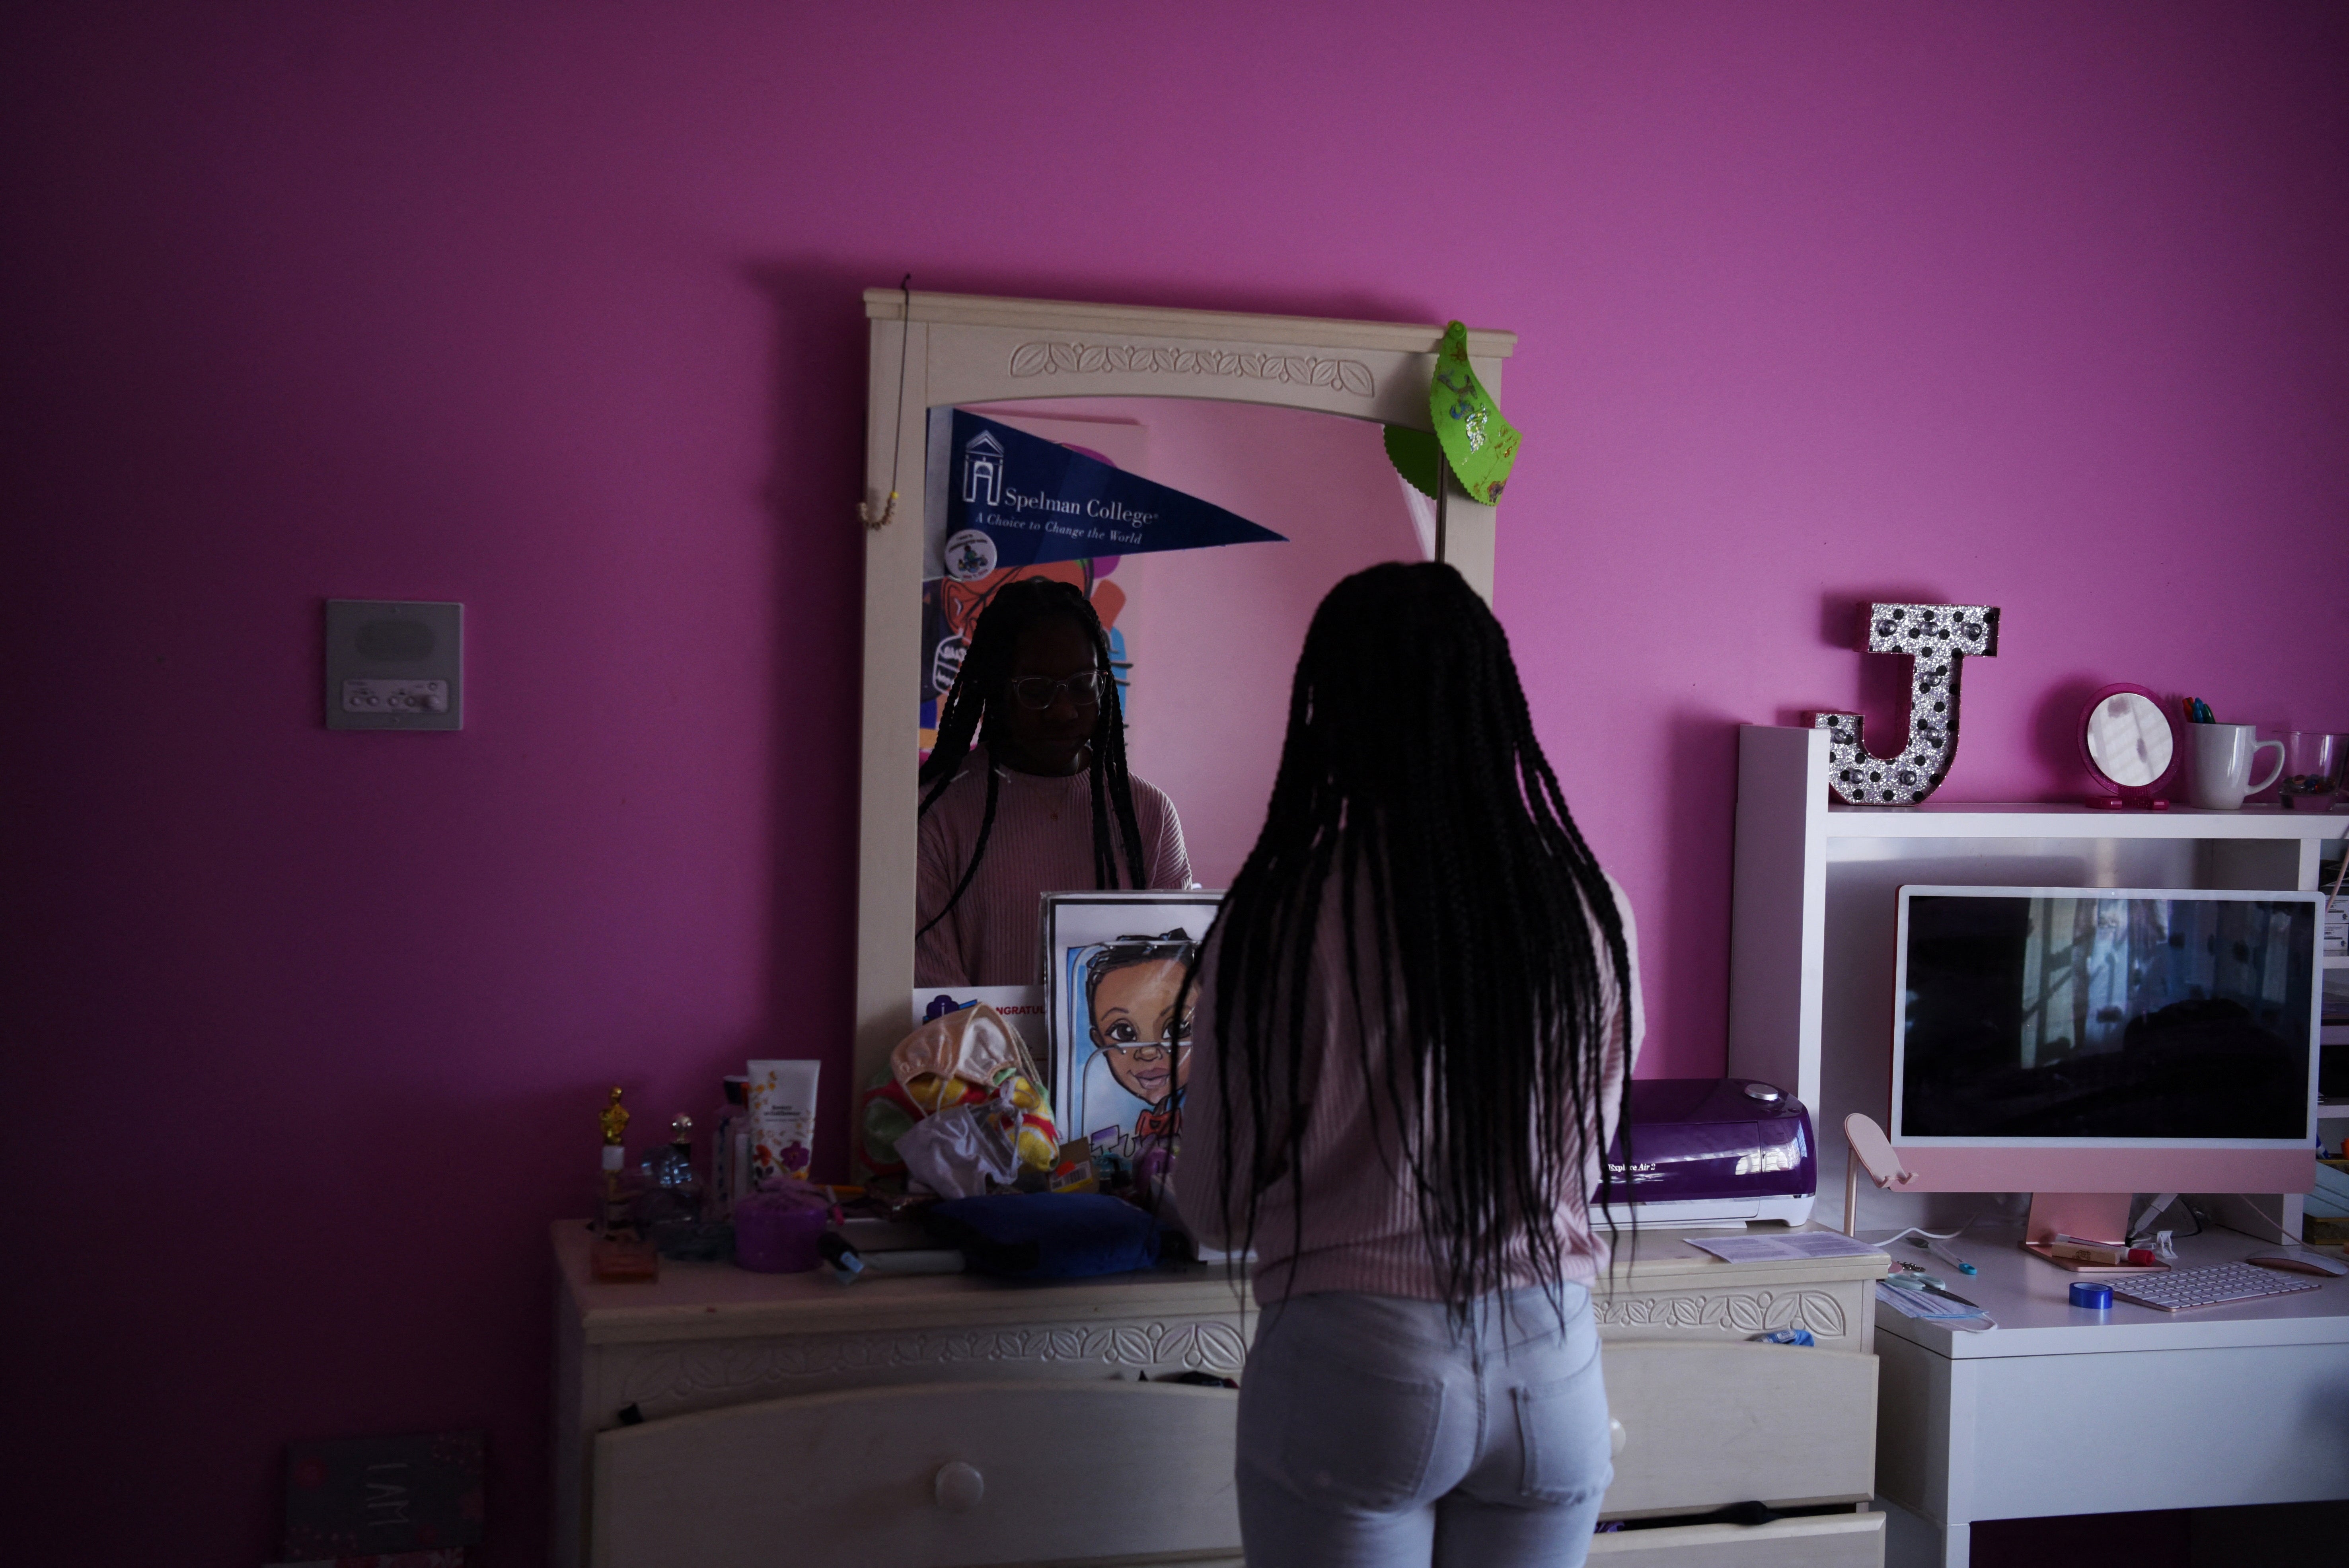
x=1017, y=499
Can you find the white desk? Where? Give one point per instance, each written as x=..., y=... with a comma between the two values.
x=2060, y=1410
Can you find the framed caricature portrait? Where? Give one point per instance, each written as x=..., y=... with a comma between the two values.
x=1115, y=963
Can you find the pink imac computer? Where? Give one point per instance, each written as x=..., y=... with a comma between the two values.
x=2085, y=1044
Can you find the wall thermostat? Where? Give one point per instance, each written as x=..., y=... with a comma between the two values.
x=395, y=664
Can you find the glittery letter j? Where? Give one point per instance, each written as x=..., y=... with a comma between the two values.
x=1939, y=638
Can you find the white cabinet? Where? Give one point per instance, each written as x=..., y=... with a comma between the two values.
x=1812, y=912
x=950, y=1420
x=2057, y=1410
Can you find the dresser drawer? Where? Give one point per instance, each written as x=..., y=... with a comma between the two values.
x=1704, y=1425
x=1830, y=1541
x=924, y=1476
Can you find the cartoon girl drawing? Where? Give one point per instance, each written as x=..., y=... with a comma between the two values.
x=1132, y=988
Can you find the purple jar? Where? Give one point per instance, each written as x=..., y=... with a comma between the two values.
x=775, y=1229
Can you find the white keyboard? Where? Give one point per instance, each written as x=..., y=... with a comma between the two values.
x=2184, y=1288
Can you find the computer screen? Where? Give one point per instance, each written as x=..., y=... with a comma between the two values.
x=2076, y=1015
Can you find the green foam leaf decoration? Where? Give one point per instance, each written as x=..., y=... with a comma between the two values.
x=1416, y=456
x=1480, y=444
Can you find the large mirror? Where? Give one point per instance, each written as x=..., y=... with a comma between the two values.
x=1204, y=640
x=1276, y=419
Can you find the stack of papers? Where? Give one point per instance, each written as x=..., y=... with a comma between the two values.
x=1779, y=1249
x=1939, y=1308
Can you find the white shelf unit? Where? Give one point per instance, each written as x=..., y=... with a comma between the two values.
x=1812, y=910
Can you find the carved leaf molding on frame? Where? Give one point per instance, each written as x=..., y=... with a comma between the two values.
x=1043, y=358
x=1738, y=1312
x=687, y=1371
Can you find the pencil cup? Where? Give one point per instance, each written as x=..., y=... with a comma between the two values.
x=2311, y=768
x=2222, y=758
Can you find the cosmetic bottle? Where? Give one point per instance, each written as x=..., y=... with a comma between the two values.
x=674, y=1210
x=730, y=1149
x=673, y=1188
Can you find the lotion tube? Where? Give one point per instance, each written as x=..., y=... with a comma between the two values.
x=783, y=1117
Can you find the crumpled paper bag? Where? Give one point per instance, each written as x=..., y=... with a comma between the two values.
x=956, y=1151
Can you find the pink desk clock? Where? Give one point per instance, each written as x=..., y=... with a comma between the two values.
x=2131, y=747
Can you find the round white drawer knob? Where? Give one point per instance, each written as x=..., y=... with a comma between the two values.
x=1618, y=1439
x=958, y=1487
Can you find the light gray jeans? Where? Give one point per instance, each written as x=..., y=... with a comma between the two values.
x=1373, y=1432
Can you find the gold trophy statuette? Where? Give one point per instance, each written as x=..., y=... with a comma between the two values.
x=618, y=1253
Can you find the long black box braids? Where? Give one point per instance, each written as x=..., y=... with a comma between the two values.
x=983, y=682
x=1469, y=902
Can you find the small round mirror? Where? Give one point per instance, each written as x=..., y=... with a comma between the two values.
x=2127, y=738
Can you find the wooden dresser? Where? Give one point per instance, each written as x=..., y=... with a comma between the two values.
x=956, y=1420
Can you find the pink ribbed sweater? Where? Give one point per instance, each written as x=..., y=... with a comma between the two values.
x=1361, y=1222
x=1042, y=841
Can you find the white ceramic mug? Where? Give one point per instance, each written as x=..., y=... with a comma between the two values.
x=2223, y=754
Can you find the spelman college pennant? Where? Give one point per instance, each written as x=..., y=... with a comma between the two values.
x=1011, y=498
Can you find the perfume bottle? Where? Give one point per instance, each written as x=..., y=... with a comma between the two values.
x=730, y=1149
x=674, y=1209
x=673, y=1188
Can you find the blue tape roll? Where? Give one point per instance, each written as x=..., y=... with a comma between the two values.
x=2086, y=1292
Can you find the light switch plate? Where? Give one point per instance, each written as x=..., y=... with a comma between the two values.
x=395, y=664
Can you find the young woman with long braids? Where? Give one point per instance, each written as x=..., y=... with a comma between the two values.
x=1026, y=791
x=1416, y=1012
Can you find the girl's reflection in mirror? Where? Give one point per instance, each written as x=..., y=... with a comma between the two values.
x=1027, y=791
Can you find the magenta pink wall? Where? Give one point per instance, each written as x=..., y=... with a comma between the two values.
x=552, y=309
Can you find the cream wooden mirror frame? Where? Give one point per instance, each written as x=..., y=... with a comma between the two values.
x=968, y=348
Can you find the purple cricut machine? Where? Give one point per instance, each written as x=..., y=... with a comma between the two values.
x=1712, y=1152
